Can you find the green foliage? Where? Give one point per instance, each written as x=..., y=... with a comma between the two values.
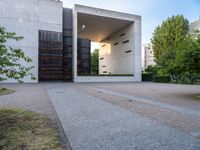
x=188, y=78
x=198, y=97
x=4, y=91
x=161, y=79
x=147, y=77
x=149, y=72
x=151, y=69
x=188, y=59
x=184, y=79
x=167, y=40
x=176, y=50
x=195, y=79
x=95, y=62
x=11, y=59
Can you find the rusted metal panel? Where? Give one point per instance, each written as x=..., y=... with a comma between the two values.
x=67, y=44
x=84, y=56
x=50, y=56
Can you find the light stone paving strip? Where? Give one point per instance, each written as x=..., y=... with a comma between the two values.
x=92, y=124
x=183, y=110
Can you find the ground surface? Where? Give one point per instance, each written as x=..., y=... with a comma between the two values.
x=4, y=91
x=22, y=129
x=35, y=98
x=118, y=115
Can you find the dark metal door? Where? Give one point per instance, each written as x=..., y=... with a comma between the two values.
x=50, y=56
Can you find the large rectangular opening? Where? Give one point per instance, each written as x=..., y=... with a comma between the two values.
x=119, y=38
x=115, y=50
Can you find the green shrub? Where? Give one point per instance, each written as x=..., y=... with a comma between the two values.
x=188, y=78
x=151, y=69
x=184, y=79
x=147, y=77
x=195, y=79
x=161, y=79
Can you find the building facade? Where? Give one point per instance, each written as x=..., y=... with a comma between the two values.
x=59, y=46
x=195, y=25
x=148, y=59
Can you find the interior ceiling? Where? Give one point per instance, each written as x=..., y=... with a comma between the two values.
x=98, y=28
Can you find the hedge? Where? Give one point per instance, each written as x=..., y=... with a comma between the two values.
x=161, y=79
x=147, y=77
x=195, y=79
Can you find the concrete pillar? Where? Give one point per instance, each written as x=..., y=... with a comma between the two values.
x=138, y=56
x=74, y=47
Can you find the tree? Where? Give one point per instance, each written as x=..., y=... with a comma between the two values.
x=188, y=59
x=11, y=59
x=95, y=62
x=151, y=69
x=167, y=43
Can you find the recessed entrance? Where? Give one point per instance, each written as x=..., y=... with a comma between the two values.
x=119, y=38
x=115, y=38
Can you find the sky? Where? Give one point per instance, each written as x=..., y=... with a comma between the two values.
x=153, y=12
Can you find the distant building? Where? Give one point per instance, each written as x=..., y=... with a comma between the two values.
x=195, y=25
x=148, y=55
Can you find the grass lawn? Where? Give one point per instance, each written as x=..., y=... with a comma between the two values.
x=198, y=97
x=4, y=91
x=25, y=130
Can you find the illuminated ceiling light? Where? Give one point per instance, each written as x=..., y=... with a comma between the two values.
x=82, y=29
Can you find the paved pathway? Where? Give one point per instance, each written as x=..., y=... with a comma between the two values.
x=93, y=124
x=180, y=109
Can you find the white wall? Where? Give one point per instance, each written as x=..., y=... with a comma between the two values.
x=148, y=55
x=115, y=59
x=195, y=25
x=93, y=79
x=26, y=18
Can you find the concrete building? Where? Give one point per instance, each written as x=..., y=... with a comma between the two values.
x=148, y=55
x=117, y=52
x=195, y=25
x=56, y=39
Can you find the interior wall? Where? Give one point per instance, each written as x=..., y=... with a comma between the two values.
x=116, y=55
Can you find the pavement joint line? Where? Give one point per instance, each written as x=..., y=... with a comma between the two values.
x=183, y=110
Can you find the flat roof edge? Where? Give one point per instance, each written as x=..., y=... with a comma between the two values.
x=104, y=12
x=194, y=22
x=56, y=1
x=59, y=1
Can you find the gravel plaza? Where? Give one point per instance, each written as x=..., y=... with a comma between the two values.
x=115, y=115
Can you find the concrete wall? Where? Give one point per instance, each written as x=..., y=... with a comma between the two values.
x=106, y=79
x=148, y=55
x=116, y=55
x=26, y=18
x=195, y=25
x=136, y=41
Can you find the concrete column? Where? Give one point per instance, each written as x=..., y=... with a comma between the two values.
x=138, y=67
x=74, y=47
